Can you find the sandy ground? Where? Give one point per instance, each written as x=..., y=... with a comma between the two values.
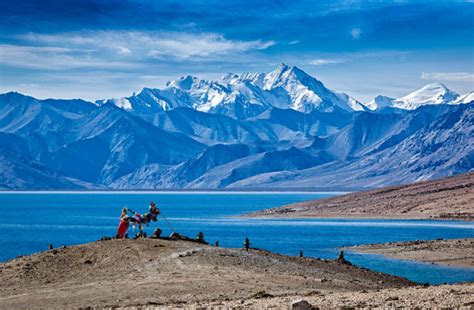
x=155, y=273
x=450, y=199
x=453, y=252
x=458, y=296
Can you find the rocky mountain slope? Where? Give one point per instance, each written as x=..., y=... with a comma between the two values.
x=284, y=129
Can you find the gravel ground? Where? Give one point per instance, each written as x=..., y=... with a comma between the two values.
x=459, y=296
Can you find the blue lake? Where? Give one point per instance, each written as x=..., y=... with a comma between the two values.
x=31, y=221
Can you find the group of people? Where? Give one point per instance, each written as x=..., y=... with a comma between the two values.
x=136, y=219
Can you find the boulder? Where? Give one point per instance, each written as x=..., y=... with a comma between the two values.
x=301, y=305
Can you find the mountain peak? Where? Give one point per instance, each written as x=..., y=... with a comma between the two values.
x=380, y=102
x=228, y=77
x=282, y=67
x=285, y=74
x=146, y=91
x=307, y=93
x=434, y=86
x=16, y=95
x=185, y=82
x=285, y=69
x=286, y=87
x=433, y=93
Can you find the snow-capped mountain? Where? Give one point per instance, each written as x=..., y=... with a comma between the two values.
x=430, y=94
x=149, y=101
x=466, y=98
x=240, y=96
x=307, y=93
x=297, y=90
x=283, y=129
x=434, y=93
x=380, y=102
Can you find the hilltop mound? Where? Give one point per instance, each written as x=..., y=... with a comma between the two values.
x=124, y=273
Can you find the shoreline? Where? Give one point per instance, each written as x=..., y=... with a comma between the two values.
x=185, y=191
x=446, y=252
x=343, y=216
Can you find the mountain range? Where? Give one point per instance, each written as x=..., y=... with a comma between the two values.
x=284, y=129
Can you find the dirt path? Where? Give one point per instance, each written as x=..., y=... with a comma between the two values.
x=454, y=252
x=157, y=272
x=450, y=199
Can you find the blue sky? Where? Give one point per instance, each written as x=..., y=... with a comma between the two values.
x=100, y=49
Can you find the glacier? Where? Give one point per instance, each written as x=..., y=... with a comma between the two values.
x=279, y=130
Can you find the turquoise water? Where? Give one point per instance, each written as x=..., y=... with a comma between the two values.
x=31, y=221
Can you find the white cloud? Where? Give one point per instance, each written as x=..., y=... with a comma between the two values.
x=448, y=76
x=29, y=85
x=203, y=45
x=54, y=58
x=153, y=44
x=294, y=42
x=101, y=64
x=355, y=33
x=324, y=61
x=123, y=50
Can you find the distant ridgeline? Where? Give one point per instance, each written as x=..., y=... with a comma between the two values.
x=284, y=129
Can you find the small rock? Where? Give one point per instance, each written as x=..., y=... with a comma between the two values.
x=88, y=262
x=301, y=305
x=261, y=294
x=314, y=293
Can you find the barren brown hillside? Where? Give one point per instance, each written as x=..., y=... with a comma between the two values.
x=449, y=198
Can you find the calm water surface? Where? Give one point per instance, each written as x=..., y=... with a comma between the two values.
x=31, y=221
